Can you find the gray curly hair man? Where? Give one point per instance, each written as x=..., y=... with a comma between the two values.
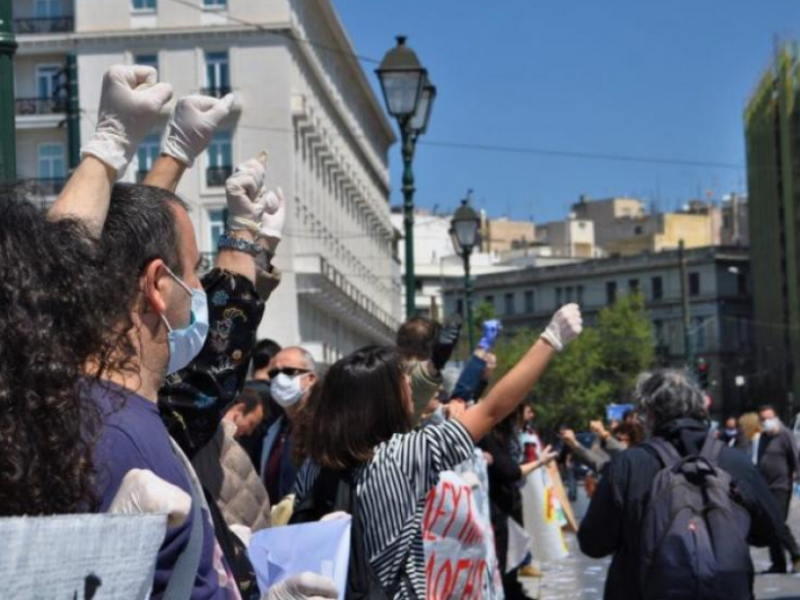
x=668, y=394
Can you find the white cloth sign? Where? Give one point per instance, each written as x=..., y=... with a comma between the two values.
x=83, y=557
x=460, y=559
x=519, y=545
x=321, y=547
x=543, y=517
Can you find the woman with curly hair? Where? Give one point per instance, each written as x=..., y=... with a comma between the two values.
x=52, y=320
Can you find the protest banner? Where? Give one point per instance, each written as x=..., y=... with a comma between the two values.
x=561, y=495
x=460, y=559
x=543, y=517
x=80, y=557
x=321, y=547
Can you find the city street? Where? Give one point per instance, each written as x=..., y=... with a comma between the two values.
x=581, y=578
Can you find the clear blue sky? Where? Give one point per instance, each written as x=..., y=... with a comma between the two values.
x=656, y=78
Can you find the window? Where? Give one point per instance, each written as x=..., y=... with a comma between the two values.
x=510, y=307
x=658, y=330
x=418, y=285
x=460, y=307
x=694, y=284
x=699, y=333
x=143, y=5
x=48, y=81
x=611, y=292
x=559, y=297
x=148, y=152
x=570, y=292
x=489, y=300
x=530, y=305
x=215, y=3
x=580, y=295
x=741, y=284
x=216, y=226
x=658, y=288
x=220, y=158
x=633, y=286
x=48, y=9
x=218, y=81
x=52, y=161
x=146, y=60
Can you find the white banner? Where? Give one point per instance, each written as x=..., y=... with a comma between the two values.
x=543, y=517
x=460, y=559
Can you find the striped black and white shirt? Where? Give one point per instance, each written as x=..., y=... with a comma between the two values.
x=391, y=492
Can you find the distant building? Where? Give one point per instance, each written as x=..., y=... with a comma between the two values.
x=735, y=222
x=570, y=238
x=773, y=173
x=720, y=305
x=609, y=215
x=499, y=235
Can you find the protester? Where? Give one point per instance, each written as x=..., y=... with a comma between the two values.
x=675, y=412
x=426, y=347
x=395, y=467
x=246, y=413
x=750, y=427
x=730, y=434
x=263, y=353
x=505, y=475
x=292, y=374
x=777, y=461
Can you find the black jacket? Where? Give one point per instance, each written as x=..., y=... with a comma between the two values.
x=613, y=521
x=504, y=475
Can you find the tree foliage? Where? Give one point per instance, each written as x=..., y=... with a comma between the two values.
x=597, y=369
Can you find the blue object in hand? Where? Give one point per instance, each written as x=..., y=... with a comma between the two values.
x=491, y=329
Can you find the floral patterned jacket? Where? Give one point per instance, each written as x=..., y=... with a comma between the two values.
x=193, y=400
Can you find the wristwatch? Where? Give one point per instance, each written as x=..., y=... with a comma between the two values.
x=234, y=243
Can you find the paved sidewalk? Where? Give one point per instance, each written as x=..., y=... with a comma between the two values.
x=580, y=578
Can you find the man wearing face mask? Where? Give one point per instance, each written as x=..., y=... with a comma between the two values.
x=778, y=462
x=292, y=374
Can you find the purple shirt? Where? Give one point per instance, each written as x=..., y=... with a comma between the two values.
x=134, y=437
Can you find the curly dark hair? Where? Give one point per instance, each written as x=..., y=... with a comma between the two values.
x=55, y=317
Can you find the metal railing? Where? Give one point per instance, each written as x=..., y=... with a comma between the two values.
x=26, y=26
x=40, y=106
x=47, y=186
x=216, y=176
x=217, y=92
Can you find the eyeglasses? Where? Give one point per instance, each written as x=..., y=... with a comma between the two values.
x=290, y=371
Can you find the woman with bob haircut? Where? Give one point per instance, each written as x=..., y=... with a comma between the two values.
x=360, y=423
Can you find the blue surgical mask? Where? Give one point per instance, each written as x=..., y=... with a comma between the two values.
x=186, y=343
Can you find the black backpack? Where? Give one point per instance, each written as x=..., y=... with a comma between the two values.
x=336, y=491
x=694, y=534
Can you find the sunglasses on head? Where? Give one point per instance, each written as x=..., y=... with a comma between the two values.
x=290, y=371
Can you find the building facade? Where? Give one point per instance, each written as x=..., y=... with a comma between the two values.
x=300, y=95
x=772, y=137
x=718, y=284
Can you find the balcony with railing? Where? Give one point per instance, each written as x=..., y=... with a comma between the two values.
x=44, y=25
x=216, y=176
x=45, y=187
x=40, y=106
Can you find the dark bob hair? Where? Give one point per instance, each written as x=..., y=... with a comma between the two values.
x=357, y=406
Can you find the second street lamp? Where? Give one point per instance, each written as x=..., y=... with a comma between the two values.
x=409, y=97
x=464, y=231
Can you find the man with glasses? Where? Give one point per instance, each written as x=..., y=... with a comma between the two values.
x=292, y=374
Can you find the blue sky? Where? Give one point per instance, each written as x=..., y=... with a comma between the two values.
x=655, y=78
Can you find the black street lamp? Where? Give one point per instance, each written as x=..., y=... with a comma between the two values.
x=409, y=97
x=465, y=233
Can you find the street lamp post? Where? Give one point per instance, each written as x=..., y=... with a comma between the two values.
x=8, y=45
x=409, y=97
x=465, y=233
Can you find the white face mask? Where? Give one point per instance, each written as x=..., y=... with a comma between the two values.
x=772, y=425
x=286, y=390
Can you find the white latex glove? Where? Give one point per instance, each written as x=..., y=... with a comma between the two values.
x=245, y=194
x=272, y=221
x=130, y=103
x=566, y=325
x=193, y=124
x=142, y=491
x=304, y=586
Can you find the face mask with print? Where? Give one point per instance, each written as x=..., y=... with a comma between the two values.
x=286, y=390
x=186, y=343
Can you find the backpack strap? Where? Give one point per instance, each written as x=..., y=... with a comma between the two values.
x=711, y=449
x=665, y=451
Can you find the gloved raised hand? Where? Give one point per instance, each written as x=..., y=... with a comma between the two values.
x=192, y=125
x=142, y=491
x=130, y=103
x=245, y=195
x=272, y=221
x=304, y=586
x=566, y=325
x=445, y=344
x=491, y=329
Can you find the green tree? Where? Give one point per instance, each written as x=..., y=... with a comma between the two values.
x=597, y=369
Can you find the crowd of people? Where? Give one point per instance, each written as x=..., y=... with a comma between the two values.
x=124, y=375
